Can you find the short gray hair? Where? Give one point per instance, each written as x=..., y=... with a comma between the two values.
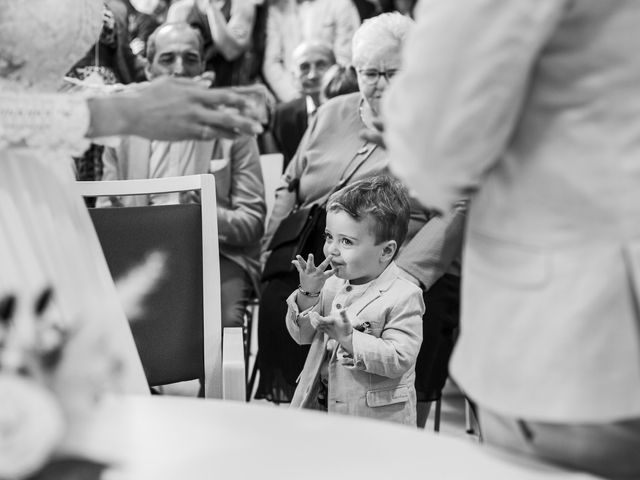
x=180, y=26
x=381, y=30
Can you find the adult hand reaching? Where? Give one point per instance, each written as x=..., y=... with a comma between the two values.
x=172, y=109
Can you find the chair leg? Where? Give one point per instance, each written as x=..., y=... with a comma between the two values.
x=474, y=416
x=252, y=380
x=248, y=327
x=471, y=419
x=436, y=415
x=251, y=318
x=467, y=418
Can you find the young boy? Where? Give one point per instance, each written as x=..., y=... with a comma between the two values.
x=363, y=320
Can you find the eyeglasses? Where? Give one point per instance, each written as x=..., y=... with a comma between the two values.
x=371, y=77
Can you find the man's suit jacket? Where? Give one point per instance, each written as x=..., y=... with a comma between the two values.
x=378, y=380
x=239, y=189
x=534, y=105
x=289, y=124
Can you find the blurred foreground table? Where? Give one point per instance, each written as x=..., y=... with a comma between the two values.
x=190, y=439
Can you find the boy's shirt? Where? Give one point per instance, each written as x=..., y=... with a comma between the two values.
x=386, y=315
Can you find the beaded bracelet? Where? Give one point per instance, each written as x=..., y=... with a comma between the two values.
x=307, y=294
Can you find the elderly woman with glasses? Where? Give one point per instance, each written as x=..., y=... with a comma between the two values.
x=330, y=152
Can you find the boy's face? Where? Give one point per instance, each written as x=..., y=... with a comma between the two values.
x=352, y=243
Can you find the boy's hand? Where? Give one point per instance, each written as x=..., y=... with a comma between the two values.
x=312, y=278
x=337, y=327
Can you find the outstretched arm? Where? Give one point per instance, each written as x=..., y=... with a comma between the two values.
x=171, y=109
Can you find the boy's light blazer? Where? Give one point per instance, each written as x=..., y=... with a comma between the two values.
x=379, y=380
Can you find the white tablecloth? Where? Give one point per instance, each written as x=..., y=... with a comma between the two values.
x=183, y=438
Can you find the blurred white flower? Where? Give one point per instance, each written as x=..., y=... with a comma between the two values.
x=138, y=282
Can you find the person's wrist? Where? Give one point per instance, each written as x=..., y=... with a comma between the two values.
x=109, y=115
x=309, y=292
x=131, y=105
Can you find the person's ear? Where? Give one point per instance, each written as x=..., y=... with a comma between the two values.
x=147, y=69
x=388, y=250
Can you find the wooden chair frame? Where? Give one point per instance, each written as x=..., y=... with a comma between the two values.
x=224, y=373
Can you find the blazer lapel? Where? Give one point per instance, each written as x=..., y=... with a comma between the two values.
x=379, y=285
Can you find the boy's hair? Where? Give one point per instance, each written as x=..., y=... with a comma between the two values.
x=381, y=197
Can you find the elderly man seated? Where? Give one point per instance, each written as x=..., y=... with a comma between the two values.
x=176, y=49
x=292, y=22
x=311, y=60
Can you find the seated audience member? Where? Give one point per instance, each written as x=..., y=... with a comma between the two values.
x=290, y=23
x=226, y=27
x=362, y=317
x=339, y=80
x=311, y=61
x=176, y=49
x=331, y=152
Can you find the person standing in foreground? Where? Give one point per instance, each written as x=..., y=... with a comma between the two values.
x=48, y=245
x=365, y=323
x=533, y=108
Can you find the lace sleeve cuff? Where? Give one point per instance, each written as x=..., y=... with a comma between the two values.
x=44, y=120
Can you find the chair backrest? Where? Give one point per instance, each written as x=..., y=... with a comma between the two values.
x=179, y=333
x=271, y=164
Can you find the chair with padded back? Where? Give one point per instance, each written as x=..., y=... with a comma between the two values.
x=179, y=334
